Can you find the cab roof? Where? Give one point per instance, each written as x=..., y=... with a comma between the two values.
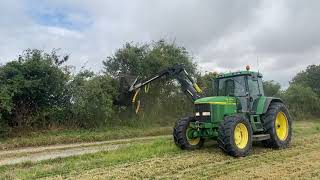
x=239, y=73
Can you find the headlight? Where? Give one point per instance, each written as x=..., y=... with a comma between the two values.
x=197, y=114
x=206, y=114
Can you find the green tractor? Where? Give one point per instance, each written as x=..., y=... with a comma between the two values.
x=238, y=113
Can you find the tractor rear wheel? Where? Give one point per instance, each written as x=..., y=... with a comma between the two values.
x=278, y=124
x=180, y=135
x=235, y=136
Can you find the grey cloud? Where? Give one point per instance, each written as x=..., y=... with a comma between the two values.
x=297, y=30
x=192, y=23
x=221, y=35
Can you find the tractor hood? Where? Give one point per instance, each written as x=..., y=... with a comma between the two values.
x=222, y=100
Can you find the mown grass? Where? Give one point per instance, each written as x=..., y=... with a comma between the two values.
x=73, y=136
x=164, y=151
x=307, y=127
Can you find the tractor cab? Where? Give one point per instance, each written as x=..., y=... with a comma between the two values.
x=245, y=86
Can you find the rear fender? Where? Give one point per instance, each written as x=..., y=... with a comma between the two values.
x=268, y=101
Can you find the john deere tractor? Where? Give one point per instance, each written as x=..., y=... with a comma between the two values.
x=238, y=113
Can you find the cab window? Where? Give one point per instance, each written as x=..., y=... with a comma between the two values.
x=261, y=86
x=253, y=87
x=233, y=86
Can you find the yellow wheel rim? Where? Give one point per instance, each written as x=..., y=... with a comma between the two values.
x=281, y=125
x=241, y=136
x=193, y=141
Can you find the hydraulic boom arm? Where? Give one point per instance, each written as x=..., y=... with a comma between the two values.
x=188, y=85
x=129, y=93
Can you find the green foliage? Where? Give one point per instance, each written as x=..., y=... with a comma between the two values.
x=206, y=83
x=92, y=99
x=31, y=84
x=4, y=128
x=303, y=95
x=302, y=101
x=38, y=91
x=271, y=88
x=310, y=78
x=146, y=60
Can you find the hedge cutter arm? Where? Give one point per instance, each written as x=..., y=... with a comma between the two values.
x=177, y=72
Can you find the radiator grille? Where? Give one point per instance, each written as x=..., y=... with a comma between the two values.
x=200, y=108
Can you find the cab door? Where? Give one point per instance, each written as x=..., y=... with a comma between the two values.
x=255, y=91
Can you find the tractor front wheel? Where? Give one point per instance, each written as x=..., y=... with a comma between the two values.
x=235, y=136
x=181, y=133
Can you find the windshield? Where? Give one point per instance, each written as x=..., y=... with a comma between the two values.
x=233, y=86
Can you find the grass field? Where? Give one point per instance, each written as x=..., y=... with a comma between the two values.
x=160, y=159
x=61, y=136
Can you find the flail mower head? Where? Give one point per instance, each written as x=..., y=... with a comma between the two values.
x=129, y=93
x=125, y=96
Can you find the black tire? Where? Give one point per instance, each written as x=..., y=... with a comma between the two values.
x=269, y=124
x=180, y=137
x=226, y=136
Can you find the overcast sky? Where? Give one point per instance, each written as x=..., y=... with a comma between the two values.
x=284, y=35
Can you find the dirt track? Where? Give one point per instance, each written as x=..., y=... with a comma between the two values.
x=35, y=154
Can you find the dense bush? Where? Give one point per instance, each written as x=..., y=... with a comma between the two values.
x=303, y=94
x=271, y=88
x=37, y=90
x=302, y=101
x=31, y=85
x=309, y=78
x=92, y=99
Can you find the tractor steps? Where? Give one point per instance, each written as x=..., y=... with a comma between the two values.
x=260, y=137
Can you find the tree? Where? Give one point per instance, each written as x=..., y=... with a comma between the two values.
x=146, y=60
x=309, y=77
x=30, y=85
x=302, y=101
x=271, y=88
x=206, y=83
